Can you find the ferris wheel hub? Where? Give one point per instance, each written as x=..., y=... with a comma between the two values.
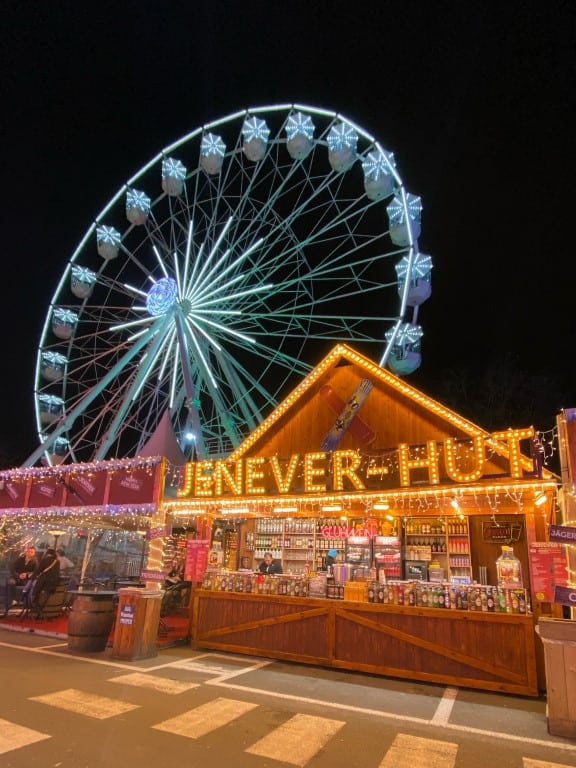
x=162, y=296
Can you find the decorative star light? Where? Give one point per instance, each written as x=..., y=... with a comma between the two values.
x=378, y=164
x=342, y=136
x=408, y=336
x=162, y=296
x=65, y=316
x=173, y=169
x=54, y=359
x=212, y=145
x=136, y=200
x=108, y=236
x=254, y=128
x=51, y=404
x=83, y=275
x=421, y=267
x=298, y=123
x=396, y=212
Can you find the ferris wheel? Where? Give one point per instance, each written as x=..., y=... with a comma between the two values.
x=219, y=275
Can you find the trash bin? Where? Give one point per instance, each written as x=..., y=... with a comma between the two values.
x=559, y=640
x=137, y=621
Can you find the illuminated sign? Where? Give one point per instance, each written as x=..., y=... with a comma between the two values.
x=324, y=471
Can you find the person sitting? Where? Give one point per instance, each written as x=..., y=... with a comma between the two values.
x=269, y=565
x=23, y=569
x=46, y=579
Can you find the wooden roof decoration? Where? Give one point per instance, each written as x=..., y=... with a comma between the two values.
x=349, y=402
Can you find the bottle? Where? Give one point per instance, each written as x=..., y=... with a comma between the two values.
x=509, y=569
x=489, y=600
x=522, y=602
x=425, y=597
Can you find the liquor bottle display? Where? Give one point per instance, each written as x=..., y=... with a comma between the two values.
x=443, y=543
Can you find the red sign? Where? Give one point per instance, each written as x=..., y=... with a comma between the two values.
x=12, y=493
x=548, y=569
x=133, y=486
x=196, y=559
x=85, y=489
x=46, y=492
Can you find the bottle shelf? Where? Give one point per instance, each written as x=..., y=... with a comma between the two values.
x=448, y=542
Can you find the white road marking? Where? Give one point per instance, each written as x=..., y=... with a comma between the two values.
x=528, y=763
x=160, y=684
x=502, y=735
x=445, y=706
x=419, y=753
x=14, y=736
x=205, y=718
x=298, y=740
x=82, y=703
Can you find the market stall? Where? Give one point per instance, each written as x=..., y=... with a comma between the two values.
x=354, y=455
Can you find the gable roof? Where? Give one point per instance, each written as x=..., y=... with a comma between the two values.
x=414, y=416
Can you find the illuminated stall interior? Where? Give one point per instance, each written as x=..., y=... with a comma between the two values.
x=354, y=449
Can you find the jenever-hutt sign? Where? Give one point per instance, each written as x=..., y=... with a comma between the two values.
x=322, y=471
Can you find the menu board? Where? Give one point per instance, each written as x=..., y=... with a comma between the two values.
x=196, y=559
x=548, y=569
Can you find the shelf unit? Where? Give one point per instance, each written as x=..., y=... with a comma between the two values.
x=298, y=544
x=447, y=542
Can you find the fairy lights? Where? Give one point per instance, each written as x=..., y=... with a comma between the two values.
x=450, y=461
x=346, y=464
x=429, y=462
x=312, y=471
x=499, y=497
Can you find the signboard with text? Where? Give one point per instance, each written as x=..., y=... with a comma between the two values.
x=127, y=614
x=501, y=531
x=196, y=559
x=564, y=534
x=548, y=569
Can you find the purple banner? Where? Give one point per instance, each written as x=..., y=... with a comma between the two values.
x=565, y=596
x=562, y=533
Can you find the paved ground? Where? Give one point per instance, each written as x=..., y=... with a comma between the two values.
x=201, y=708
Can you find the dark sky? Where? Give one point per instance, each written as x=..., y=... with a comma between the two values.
x=475, y=99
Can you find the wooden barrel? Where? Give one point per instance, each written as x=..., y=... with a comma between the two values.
x=90, y=621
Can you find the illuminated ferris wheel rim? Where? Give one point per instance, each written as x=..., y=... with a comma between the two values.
x=408, y=332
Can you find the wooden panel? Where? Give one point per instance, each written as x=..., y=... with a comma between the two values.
x=486, y=651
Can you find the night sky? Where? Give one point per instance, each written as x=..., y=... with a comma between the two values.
x=475, y=99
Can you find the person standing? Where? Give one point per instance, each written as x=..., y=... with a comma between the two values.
x=270, y=566
x=331, y=557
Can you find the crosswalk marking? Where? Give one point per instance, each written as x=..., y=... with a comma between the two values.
x=419, y=753
x=205, y=718
x=14, y=736
x=528, y=763
x=98, y=707
x=297, y=740
x=160, y=684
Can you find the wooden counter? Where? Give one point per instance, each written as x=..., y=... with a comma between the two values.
x=489, y=651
